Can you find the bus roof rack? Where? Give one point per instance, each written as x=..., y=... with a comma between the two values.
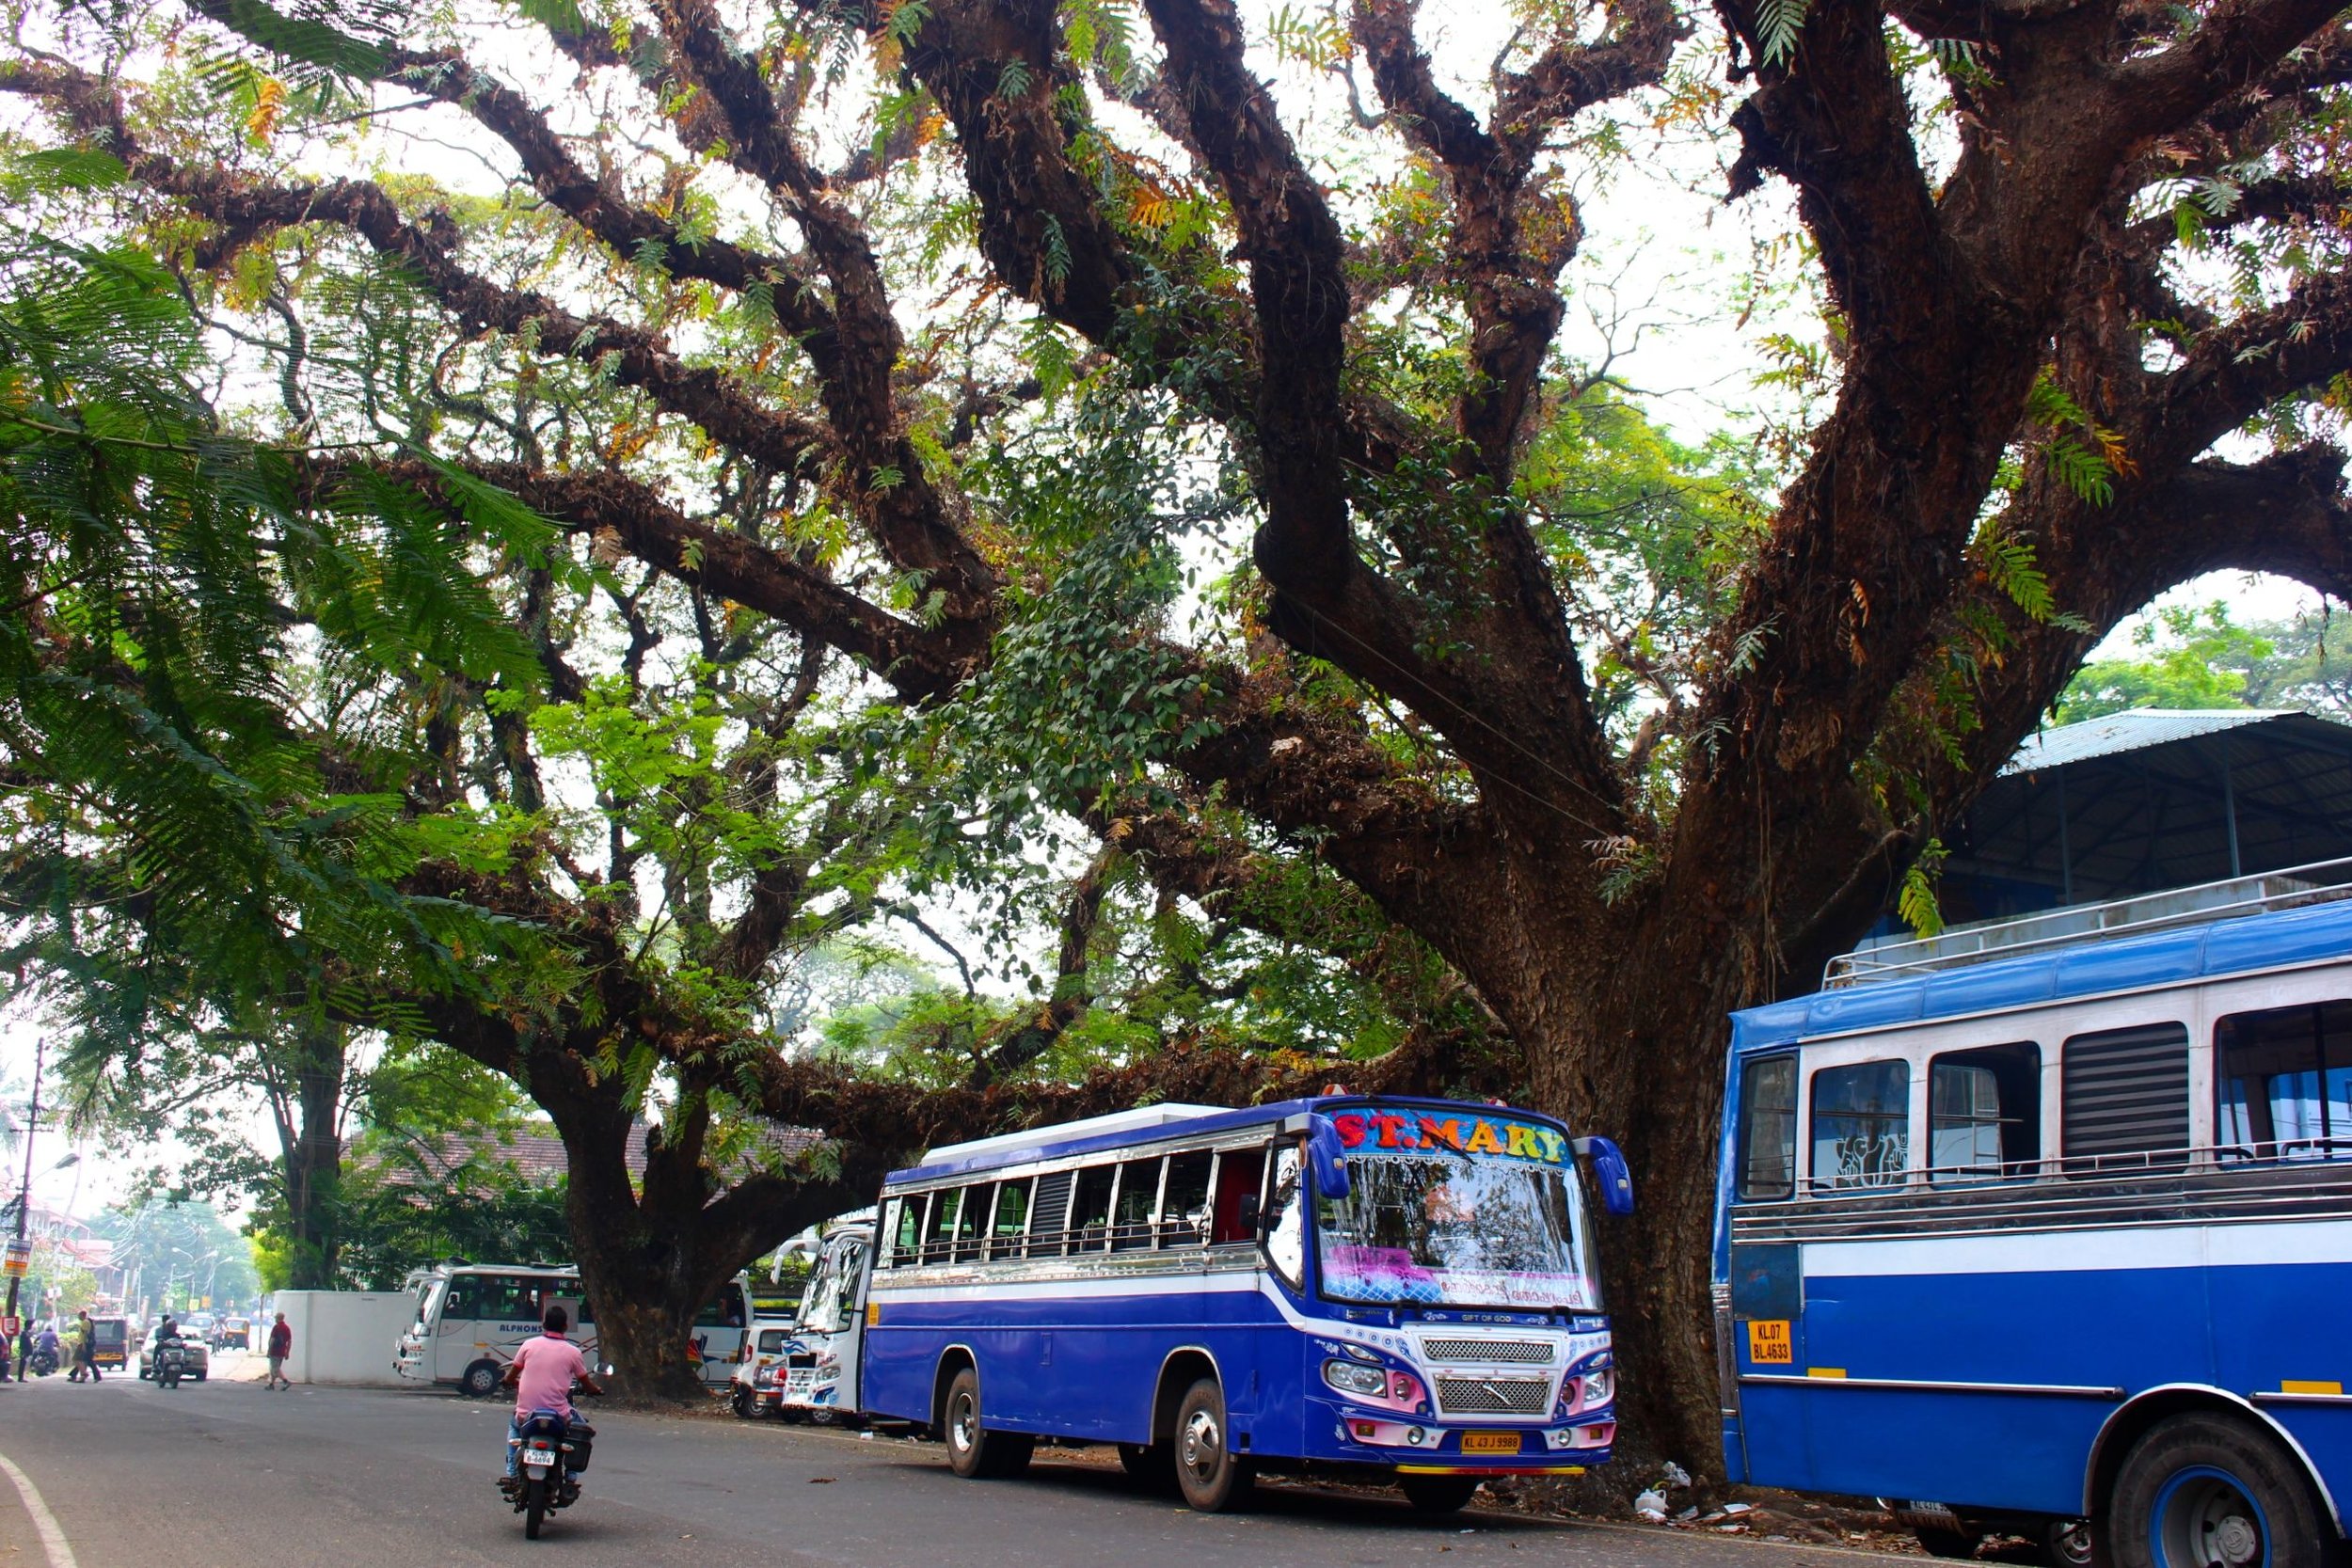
x=1959, y=946
x=1141, y=1119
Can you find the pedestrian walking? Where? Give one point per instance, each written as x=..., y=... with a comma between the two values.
x=280, y=1347
x=85, y=1348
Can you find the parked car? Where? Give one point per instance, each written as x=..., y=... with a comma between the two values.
x=759, y=1375
x=233, y=1334
x=199, y=1360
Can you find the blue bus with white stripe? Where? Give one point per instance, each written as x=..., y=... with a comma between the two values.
x=2055, y=1239
x=1403, y=1289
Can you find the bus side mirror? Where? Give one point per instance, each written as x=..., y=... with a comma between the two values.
x=1246, y=1213
x=1326, y=1155
x=1610, y=1169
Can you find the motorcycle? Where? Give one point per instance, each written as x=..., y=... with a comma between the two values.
x=171, y=1360
x=551, y=1453
x=42, y=1362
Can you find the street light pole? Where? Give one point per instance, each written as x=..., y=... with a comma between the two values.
x=20, y=1253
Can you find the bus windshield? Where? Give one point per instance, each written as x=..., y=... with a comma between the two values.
x=1439, y=1229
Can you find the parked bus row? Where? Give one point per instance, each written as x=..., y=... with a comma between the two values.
x=2052, y=1239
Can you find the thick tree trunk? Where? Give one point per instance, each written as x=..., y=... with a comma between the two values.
x=1621, y=1016
x=312, y=1158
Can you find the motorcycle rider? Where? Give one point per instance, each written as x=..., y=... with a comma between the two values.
x=542, y=1375
x=47, y=1344
x=166, y=1333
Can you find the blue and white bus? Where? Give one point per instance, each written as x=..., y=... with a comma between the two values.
x=1399, y=1288
x=2045, y=1233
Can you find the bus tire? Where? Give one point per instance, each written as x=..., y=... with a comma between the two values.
x=1437, y=1494
x=481, y=1380
x=974, y=1451
x=1213, y=1479
x=2203, y=1489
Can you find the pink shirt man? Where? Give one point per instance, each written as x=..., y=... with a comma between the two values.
x=548, y=1366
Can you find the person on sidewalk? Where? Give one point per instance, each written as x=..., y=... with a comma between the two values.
x=280, y=1347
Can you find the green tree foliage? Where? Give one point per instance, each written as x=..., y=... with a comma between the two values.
x=980, y=438
x=2195, y=657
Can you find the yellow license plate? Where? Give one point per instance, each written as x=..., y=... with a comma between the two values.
x=1490, y=1442
x=1769, y=1343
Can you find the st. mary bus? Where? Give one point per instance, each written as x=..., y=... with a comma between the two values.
x=1394, y=1289
x=2055, y=1236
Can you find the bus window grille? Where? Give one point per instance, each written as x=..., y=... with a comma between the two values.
x=1049, y=1217
x=2125, y=1099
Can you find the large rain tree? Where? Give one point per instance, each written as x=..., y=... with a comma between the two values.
x=1625, y=768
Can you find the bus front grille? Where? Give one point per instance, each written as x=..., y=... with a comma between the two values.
x=1486, y=1350
x=1493, y=1396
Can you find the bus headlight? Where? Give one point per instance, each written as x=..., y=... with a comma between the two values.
x=1598, y=1389
x=1349, y=1377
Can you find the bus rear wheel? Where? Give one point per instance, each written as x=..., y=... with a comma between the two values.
x=1437, y=1494
x=1213, y=1477
x=973, y=1450
x=2203, y=1491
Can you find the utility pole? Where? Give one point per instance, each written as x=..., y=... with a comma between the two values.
x=20, y=1254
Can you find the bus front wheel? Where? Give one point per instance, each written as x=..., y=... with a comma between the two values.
x=481, y=1380
x=2203, y=1491
x=973, y=1449
x=1213, y=1477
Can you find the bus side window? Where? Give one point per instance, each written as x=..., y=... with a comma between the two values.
x=1090, y=1210
x=1184, y=1206
x=939, y=1242
x=1861, y=1124
x=1138, y=1201
x=1768, y=1128
x=1984, y=1112
x=1008, y=1230
x=2284, y=1080
x=2124, y=1098
x=1286, y=1220
x=1049, y=1215
x=1240, y=1174
x=465, y=1297
x=908, y=1246
x=973, y=1216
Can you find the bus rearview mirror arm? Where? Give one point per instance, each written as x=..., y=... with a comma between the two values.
x=1610, y=1169
x=1328, y=1156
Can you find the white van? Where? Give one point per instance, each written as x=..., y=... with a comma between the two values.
x=757, y=1377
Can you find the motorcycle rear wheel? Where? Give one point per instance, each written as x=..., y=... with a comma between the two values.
x=535, y=1507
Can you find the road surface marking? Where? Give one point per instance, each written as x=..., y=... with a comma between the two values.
x=52, y=1539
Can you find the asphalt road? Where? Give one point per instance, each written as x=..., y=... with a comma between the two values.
x=227, y=1472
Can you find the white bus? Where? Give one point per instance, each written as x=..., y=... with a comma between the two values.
x=471, y=1316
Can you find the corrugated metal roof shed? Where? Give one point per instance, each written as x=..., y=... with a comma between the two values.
x=2147, y=800
x=2133, y=730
